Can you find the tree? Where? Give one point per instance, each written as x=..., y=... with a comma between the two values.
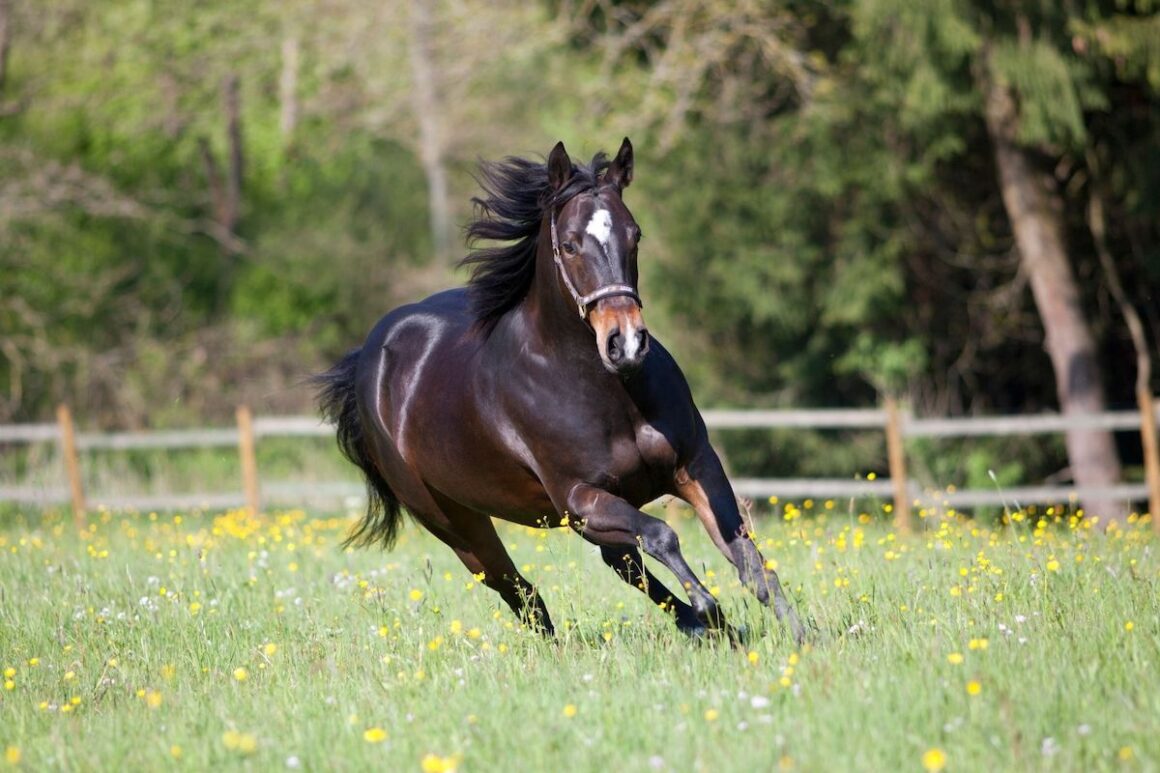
x=1036, y=211
x=425, y=98
x=861, y=245
x=1032, y=94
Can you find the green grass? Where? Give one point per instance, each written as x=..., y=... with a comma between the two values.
x=222, y=641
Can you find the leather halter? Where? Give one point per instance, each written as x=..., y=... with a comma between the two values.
x=584, y=301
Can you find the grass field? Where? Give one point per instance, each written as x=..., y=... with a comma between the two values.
x=227, y=641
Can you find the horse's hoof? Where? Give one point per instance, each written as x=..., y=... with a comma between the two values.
x=694, y=629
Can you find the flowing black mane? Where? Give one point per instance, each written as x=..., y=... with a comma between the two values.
x=516, y=195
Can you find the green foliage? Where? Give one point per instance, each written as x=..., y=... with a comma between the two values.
x=815, y=181
x=1130, y=43
x=115, y=276
x=1049, y=89
x=329, y=239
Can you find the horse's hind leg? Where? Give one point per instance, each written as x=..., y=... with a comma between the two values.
x=473, y=538
x=705, y=486
x=629, y=566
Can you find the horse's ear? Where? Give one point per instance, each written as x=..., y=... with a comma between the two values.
x=559, y=167
x=620, y=171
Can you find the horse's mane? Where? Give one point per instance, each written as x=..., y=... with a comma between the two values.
x=515, y=197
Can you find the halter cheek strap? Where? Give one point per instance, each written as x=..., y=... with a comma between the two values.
x=584, y=301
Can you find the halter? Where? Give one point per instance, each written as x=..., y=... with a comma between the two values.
x=584, y=301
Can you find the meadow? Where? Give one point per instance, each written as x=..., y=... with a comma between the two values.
x=198, y=641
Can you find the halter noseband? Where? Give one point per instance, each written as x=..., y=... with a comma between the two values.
x=584, y=301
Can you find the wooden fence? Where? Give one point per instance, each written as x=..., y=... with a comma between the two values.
x=896, y=424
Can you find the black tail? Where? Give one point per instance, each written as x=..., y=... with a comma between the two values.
x=339, y=405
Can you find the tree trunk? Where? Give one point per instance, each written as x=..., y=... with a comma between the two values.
x=1098, y=227
x=288, y=90
x=1035, y=208
x=5, y=33
x=233, y=190
x=425, y=99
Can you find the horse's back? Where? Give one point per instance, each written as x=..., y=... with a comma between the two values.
x=435, y=318
x=401, y=350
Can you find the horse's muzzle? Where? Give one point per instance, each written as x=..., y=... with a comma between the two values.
x=621, y=336
x=626, y=353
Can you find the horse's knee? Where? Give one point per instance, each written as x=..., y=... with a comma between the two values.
x=658, y=539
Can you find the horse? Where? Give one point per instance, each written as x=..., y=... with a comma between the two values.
x=537, y=394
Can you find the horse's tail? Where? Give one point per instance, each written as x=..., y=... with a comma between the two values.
x=338, y=402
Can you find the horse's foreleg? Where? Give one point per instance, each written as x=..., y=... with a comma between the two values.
x=704, y=485
x=629, y=566
x=608, y=520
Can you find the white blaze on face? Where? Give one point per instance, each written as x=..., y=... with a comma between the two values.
x=600, y=226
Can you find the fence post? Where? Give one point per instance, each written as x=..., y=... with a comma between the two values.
x=1151, y=453
x=72, y=466
x=896, y=457
x=248, y=458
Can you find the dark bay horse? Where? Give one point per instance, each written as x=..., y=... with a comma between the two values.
x=537, y=395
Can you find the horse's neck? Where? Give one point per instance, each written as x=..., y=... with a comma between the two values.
x=551, y=318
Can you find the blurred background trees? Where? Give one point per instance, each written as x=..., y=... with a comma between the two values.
x=200, y=204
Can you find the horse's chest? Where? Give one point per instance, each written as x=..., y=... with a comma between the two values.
x=638, y=463
x=654, y=448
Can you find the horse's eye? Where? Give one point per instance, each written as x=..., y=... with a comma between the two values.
x=569, y=247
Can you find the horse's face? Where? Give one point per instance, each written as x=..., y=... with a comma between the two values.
x=594, y=242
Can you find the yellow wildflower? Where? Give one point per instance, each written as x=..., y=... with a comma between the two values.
x=246, y=743
x=934, y=759
x=433, y=763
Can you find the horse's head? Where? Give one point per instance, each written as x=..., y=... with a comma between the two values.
x=594, y=240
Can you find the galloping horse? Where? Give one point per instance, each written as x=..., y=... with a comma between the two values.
x=537, y=395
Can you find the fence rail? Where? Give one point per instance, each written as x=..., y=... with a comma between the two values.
x=895, y=423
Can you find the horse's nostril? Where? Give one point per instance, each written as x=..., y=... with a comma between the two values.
x=642, y=340
x=615, y=345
